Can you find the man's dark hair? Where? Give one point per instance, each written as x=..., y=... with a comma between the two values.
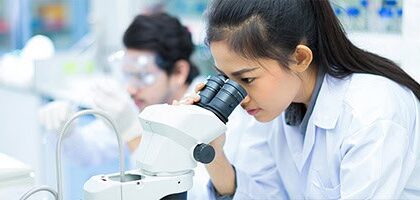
x=164, y=35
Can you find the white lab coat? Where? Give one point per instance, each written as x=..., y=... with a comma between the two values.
x=362, y=142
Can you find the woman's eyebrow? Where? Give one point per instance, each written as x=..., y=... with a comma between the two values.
x=237, y=73
x=242, y=71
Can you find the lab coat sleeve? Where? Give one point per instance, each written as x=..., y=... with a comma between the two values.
x=256, y=177
x=266, y=184
x=374, y=160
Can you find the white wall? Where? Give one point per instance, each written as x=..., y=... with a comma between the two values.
x=411, y=38
x=20, y=135
x=109, y=19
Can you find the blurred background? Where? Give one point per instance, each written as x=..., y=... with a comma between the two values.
x=50, y=49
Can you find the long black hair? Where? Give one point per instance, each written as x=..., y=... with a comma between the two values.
x=273, y=29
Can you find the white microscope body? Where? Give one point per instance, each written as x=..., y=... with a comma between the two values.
x=174, y=138
x=170, y=145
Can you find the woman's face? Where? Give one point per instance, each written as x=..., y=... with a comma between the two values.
x=271, y=87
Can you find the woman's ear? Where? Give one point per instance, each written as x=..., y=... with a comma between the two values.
x=180, y=72
x=302, y=57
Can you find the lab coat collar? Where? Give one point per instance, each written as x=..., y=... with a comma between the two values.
x=325, y=114
x=330, y=101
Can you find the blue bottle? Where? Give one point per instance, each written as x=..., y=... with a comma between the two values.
x=354, y=19
x=387, y=19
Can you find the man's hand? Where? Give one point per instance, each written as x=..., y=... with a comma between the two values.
x=114, y=100
x=53, y=115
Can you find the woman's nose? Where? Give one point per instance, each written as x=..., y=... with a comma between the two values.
x=132, y=90
x=245, y=100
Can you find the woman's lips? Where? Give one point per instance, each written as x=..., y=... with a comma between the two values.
x=253, y=111
x=139, y=103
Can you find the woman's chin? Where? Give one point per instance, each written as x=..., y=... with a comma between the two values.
x=260, y=117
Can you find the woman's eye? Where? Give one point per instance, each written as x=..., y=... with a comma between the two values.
x=247, y=80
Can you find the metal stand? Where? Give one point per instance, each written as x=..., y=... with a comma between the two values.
x=59, y=194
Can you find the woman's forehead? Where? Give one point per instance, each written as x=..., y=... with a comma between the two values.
x=226, y=59
x=139, y=52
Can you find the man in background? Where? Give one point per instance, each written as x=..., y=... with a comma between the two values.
x=154, y=68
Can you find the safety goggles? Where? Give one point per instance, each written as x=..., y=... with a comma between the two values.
x=135, y=70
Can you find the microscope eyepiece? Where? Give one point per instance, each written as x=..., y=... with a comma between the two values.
x=213, y=85
x=220, y=96
x=224, y=100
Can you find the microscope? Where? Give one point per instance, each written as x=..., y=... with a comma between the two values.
x=174, y=139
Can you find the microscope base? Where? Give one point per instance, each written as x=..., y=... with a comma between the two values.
x=136, y=186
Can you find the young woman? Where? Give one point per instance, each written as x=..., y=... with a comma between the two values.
x=347, y=121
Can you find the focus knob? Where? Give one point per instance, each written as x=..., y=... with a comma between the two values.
x=204, y=153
